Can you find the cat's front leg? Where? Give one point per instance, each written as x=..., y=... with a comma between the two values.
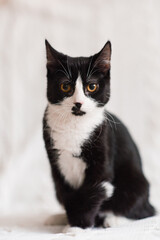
x=83, y=218
x=83, y=206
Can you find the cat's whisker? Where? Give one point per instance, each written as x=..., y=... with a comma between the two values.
x=112, y=121
x=89, y=66
x=95, y=64
x=64, y=69
x=92, y=72
x=69, y=70
x=108, y=96
x=109, y=122
x=98, y=135
x=100, y=104
x=60, y=70
x=113, y=118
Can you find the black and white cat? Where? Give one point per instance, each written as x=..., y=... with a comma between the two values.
x=96, y=167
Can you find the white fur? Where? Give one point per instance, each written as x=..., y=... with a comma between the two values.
x=74, y=231
x=79, y=94
x=106, y=61
x=70, y=132
x=109, y=188
x=114, y=221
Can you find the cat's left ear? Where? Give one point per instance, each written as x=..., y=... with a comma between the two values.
x=104, y=58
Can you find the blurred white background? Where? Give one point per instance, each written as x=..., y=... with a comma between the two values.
x=75, y=28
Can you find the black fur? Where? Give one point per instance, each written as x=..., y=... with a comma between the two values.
x=110, y=154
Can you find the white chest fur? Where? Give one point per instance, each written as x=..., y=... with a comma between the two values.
x=69, y=133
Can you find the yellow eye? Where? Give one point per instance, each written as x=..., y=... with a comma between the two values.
x=92, y=87
x=65, y=87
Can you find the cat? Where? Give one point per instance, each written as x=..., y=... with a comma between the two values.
x=94, y=161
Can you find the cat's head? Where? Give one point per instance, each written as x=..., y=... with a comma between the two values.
x=79, y=84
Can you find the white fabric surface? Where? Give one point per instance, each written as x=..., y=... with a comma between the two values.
x=33, y=228
x=77, y=28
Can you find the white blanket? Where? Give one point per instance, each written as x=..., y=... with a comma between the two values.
x=33, y=229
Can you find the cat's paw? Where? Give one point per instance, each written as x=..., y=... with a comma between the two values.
x=105, y=223
x=73, y=231
x=57, y=219
x=116, y=221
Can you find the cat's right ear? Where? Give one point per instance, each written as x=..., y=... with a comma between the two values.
x=104, y=58
x=51, y=54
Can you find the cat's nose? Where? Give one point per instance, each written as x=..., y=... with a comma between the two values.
x=78, y=105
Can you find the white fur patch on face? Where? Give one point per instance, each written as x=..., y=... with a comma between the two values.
x=109, y=188
x=78, y=95
x=69, y=132
x=88, y=103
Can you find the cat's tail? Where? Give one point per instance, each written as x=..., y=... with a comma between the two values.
x=142, y=211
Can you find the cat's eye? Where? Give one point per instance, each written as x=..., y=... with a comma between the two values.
x=65, y=87
x=92, y=87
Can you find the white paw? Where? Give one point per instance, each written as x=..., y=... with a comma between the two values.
x=73, y=231
x=115, y=221
x=57, y=219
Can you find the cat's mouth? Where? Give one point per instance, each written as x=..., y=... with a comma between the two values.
x=77, y=112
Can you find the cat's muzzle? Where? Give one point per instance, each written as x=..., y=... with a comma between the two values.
x=77, y=112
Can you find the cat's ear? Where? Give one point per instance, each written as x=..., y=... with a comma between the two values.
x=52, y=55
x=104, y=58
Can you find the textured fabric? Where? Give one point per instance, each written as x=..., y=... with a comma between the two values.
x=147, y=229
x=77, y=28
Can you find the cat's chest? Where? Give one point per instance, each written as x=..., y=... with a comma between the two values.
x=68, y=137
x=68, y=141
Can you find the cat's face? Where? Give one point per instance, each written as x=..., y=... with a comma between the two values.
x=78, y=85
